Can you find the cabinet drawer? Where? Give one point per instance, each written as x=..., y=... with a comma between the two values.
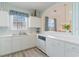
x=71, y=47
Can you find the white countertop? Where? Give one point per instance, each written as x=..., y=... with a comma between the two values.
x=11, y=35
x=6, y=35
x=68, y=37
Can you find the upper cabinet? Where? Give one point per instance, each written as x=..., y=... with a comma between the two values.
x=4, y=18
x=34, y=21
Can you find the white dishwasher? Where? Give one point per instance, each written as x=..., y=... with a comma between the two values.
x=41, y=43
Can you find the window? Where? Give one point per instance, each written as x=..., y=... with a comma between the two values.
x=19, y=20
x=51, y=23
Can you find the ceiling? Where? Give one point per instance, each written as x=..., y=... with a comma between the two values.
x=41, y=6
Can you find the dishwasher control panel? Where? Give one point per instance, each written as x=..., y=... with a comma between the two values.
x=41, y=37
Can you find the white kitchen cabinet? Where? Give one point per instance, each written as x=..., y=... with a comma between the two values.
x=5, y=45
x=71, y=50
x=59, y=48
x=22, y=42
x=34, y=21
x=15, y=43
x=54, y=48
x=27, y=42
x=4, y=18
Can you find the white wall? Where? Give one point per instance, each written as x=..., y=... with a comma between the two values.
x=62, y=15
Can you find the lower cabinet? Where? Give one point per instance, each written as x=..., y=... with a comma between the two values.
x=71, y=50
x=54, y=48
x=15, y=43
x=57, y=48
x=22, y=42
x=28, y=42
x=5, y=45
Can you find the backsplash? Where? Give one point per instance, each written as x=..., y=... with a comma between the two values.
x=7, y=31
x=4, y=30
x=33, y=30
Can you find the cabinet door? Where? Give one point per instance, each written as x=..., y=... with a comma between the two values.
x=16, y=43
x=54, y=47
x=4, y=18
x=5, y=45
x=22, y=42
x=71, y=50
x=37, y=22
x=27, y=42
x=34, y=22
